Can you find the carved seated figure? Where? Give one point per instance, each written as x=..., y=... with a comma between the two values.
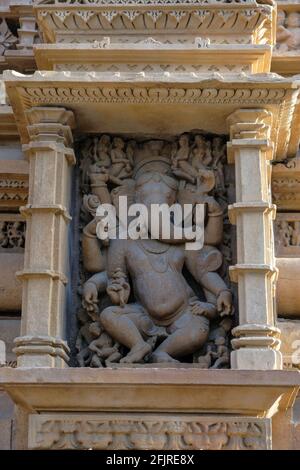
x=103, y=347
x=190, y=165
x=164, y=304
x=121, y=165
x=288, y=37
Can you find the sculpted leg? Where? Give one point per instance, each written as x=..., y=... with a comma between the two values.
x=188, y=334
x=123, y=329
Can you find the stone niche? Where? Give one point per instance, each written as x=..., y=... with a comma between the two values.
x=151, y=300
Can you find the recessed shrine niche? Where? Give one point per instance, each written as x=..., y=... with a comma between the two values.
x=152, y=301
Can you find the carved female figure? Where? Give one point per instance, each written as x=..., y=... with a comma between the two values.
x=121, y=166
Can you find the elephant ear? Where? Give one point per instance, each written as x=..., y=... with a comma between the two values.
x=208, y=180
x=90, y=204
x=126, y=189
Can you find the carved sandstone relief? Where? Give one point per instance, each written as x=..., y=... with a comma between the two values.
x=287, y=234
x=13, y=191
x=151, y=300
x=12, y=234
x=7, y=38
x=285, y=184
x=154, y=432
x=18, y=34
x=288, y=31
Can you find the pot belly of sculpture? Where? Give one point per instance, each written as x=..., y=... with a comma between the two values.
x=153, y=300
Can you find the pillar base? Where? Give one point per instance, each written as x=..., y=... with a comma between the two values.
x=41, y=351
x=256, y=359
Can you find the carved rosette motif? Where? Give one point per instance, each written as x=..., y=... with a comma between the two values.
x=116, y=293
x=145, y=433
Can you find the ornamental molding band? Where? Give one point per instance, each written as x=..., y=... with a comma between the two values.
x=60, y=22
x=203, y=91
x=285, y=184
x=141, y=36
x=14, y=185
x=147, y=431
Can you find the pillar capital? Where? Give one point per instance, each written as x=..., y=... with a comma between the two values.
x=250, y=124
x=50, y=125
x=49, y=115
x=249, y=128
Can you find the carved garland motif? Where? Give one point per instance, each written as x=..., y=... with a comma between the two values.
x=202, y=21
x=152, y=300
x=181, y=434
x=147, y=2
x=35, y=96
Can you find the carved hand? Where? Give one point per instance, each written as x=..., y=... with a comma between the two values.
x=200, y=308
x=118, y=294
x=224, y=303
x=90, y=296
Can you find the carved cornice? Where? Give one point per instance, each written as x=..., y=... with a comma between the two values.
x=13, y=184
x=178, y=432
x=152, y=390
x=161, y=92
x=154, y=56
x=151, y=2
x=286, y=185
x=74, y=22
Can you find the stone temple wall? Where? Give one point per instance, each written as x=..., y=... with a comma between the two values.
x=161, y=101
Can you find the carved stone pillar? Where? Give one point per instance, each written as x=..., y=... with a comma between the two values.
x=27, y=31
x=46, y=255
x=256, y=339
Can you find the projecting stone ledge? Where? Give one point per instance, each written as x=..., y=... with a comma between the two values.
x=150, y=408
x=184, y=390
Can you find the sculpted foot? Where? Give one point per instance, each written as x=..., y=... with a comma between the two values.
x=161, y=356
x=137, y=353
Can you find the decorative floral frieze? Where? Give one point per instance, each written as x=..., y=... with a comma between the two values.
x=225, y=22
x=13, y=191
x=133, y=94
x=142, y=432
x=147, y=2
